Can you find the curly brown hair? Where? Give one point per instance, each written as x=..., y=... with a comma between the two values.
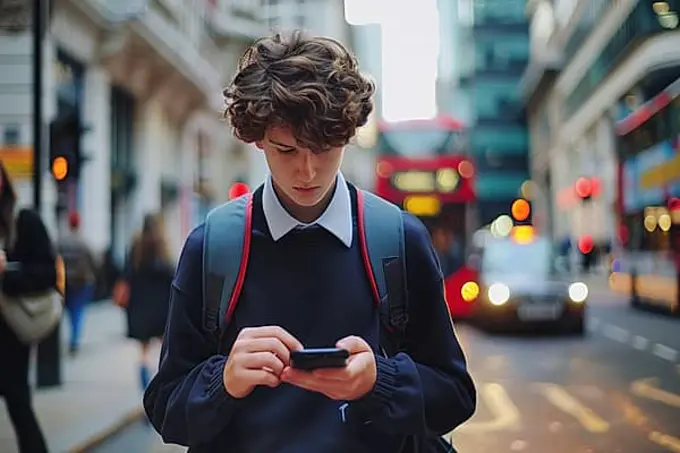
x=310, y=84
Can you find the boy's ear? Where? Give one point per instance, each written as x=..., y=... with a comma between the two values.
x=259, y=144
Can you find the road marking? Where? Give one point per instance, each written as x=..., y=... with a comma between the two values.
x=593, y=324
x=558, y=396
x=664, y=440
x=505, y=413
x=665, y=352
x=616, y=333
x=640, y=343
x=647, y=388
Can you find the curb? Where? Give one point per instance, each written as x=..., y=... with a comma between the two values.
x=99, y=438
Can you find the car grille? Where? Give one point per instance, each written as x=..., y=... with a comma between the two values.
x=540, y=299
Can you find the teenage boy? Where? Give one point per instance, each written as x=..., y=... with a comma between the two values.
x=300, y=100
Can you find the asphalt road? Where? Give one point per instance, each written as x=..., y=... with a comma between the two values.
x=615, y=390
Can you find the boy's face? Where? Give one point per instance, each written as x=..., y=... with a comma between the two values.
x=303, y=177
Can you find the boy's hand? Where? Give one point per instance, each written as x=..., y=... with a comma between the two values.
x=258, y=357
x=343, y=384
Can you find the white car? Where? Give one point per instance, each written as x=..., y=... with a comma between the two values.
x=521, y=283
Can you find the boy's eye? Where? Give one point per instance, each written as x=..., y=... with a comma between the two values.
x=286, y=150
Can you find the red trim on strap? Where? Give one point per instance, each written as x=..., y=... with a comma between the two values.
x=245, y=255
x=364, y=247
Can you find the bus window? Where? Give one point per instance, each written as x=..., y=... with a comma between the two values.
x=419, y=142
x=447, y=232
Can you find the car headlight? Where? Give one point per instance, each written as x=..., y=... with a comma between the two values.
x=578, y=292
x=469, y=291
x=499, y=293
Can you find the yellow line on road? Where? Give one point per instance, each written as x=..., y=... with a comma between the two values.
x=558, y=396
x=666, y=441
x=505, y=413
x=647, y=388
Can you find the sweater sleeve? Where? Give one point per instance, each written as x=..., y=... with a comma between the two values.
x=186, y=401
x=427, y=388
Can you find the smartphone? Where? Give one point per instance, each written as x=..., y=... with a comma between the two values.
x=312, y=359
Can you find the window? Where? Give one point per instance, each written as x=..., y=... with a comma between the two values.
x=589, y=17
x=122, y=128
x=641, y=23
x=420, y=142
x=507, y=257
x=502, y=52
x=499, y=11
x=493, y=97
x=11, y=135
x=500, y=137
x=502, y=160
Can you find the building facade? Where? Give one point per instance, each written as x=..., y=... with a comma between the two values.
x=145, y=80
x=498, y=133
x=456, y=65
x=360, y=162
x=602, y=59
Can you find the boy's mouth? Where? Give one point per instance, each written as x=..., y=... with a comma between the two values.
x=305, y=189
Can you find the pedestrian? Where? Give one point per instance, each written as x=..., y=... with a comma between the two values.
x=146, y=279
x=25, y=241
x=301, y=99
x=81, y=273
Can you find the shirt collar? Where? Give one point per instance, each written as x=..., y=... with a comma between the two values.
x=336, y=219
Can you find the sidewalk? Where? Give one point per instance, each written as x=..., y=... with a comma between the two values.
x=100, y=393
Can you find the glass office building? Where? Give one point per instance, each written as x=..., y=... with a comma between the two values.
x=498, y=134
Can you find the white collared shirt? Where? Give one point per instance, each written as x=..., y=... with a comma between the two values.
x=336, y=219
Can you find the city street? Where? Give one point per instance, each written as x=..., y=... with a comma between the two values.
x=616, y=390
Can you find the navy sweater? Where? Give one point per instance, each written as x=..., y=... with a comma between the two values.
x=309, y=283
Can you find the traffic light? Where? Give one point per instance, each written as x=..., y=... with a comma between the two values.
x=66, y=156
x=587, y=188
x=521, y=211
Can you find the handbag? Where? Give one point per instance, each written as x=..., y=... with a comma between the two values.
x=33, y=317
x=121, y=293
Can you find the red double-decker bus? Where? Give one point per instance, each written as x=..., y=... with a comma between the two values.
x=422, y=166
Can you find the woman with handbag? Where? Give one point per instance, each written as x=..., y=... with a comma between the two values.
x=26, y=242
x=144, y=290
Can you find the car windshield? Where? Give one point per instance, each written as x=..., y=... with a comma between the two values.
x=505, y=256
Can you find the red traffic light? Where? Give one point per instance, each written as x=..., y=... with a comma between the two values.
x=586, y=244
x=238, y=189
x=584, y=187
x=587, y=187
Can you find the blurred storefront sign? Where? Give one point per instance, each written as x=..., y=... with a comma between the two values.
x=651, y=176
x=18, y=161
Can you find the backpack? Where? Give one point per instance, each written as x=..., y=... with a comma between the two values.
x=77, y=261
x=226, y=251
x=381, y=235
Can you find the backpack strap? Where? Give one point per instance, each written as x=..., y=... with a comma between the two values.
x=381, y=232
x=228, y=230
